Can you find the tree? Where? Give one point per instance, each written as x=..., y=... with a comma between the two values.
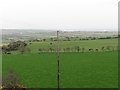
x=50, y=49
x=103, y=48
x=64, y=49
x=28, y=50
x=108, y=48
x=44, y=39
x=13, y=46
x=68, y=49
x=90, y=49
x=22, y=50
x=51, y=39
x=72, y=49
x=83, y=49
x=96, y=50
x=68, y=39
x=78, y=49
x=40, y=50
x=50, y=43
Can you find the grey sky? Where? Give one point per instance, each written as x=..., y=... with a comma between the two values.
x=58, y=14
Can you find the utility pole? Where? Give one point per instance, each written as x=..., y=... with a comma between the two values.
x=58, y=61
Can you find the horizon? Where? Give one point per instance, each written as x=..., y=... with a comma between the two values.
x=83, y=29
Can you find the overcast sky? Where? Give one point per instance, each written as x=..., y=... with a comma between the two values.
x=58, y=14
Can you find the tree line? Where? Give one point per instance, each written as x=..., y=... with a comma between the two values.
x=13, y=46
x=78, y=49
x=72, y=38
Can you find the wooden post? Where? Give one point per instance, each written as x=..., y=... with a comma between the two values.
x=58, y=60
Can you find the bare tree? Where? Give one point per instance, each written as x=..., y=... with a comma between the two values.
x=77, y=48
x=68, y=49
x=40, y=50
x=108, y=48
x=64, y=49
x=83, y=49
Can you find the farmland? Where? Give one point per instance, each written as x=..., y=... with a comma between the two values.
x=89, y=63
x=85, y=70
x=46, y=46
x=71, y=44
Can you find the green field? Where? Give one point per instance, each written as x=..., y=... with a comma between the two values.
x=0, y=65
x=78, y=70
x=94, y=44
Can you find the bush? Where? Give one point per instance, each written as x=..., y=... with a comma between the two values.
x=11, y=80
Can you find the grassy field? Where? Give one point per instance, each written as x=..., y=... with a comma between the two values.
x=94, y=44
x=78, y=70
x=0, y=65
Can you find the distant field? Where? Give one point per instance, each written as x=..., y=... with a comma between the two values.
x=34, y=46
x=78, y=70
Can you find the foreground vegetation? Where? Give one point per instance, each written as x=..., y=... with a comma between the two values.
x=78, y=70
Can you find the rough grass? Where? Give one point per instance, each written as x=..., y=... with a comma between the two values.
x=78, y=70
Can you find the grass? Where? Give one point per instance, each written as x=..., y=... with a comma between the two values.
x=71, y=44
x=0, y=65
x=78, y=70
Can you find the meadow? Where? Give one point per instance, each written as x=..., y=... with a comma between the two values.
x=83, y=69
x=94, y=44
x=77, y=70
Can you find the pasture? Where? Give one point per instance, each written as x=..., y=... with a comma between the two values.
x=86, y=44
x=78, y=70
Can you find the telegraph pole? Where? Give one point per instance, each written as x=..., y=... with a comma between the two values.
x=58, y=61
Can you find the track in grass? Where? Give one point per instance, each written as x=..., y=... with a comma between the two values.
x=78, y=70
